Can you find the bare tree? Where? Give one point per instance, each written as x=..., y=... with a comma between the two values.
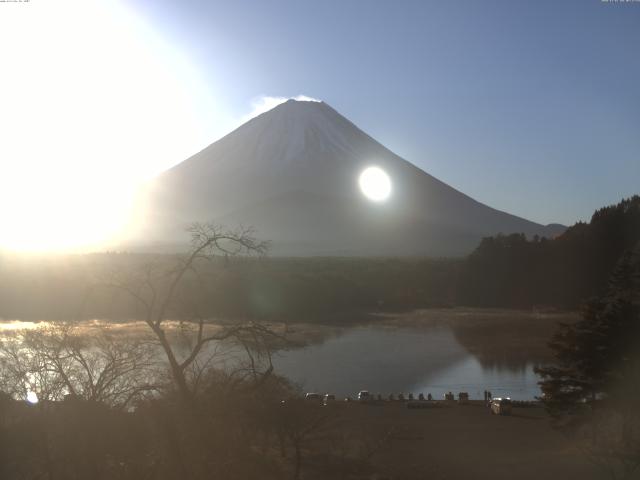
x=161, y=290
x=296, y=422
x=24, y=371
x=59, y=360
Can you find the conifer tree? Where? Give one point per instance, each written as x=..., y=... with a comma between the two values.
x=595, y=355
x=593, y=390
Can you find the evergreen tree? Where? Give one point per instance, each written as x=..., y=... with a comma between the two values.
x=595, y=354
x=593, y=390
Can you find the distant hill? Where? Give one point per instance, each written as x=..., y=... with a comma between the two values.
x=510, y=270
x=292, y=173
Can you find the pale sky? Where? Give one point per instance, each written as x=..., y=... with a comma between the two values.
x=530, y=107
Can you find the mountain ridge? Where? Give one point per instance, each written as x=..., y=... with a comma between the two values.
x=309, y=148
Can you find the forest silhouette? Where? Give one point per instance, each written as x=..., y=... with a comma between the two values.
x=503, y=271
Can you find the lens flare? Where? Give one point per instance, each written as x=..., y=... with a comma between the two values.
x=375, y=184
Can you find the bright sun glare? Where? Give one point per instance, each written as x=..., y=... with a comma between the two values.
x=375, y=184
x=93, y=103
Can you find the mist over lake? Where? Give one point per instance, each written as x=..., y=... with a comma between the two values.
x=427, y=351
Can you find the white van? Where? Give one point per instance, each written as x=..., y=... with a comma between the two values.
x=501, y=406
x=364, y=396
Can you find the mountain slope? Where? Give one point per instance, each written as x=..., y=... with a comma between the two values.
x=292, y=173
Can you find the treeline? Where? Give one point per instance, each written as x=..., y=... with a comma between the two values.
x=504, y=271
x=513, y=271
x=306, y=289
x=291, y=289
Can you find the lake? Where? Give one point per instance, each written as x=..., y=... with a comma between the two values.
x=426, y=351
x=409, y=360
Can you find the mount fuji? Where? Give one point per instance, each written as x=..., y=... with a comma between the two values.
x=292, y=173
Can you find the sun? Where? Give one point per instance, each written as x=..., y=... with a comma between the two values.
x=94, y=104
x=375, y=184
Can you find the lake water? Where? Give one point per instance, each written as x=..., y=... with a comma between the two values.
x=409, y=360
x=396, y=359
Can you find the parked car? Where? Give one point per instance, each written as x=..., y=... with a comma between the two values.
x=364, y=396
x=328, y=398
x=501, y=406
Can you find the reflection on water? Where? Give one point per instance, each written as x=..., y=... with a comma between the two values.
x=469, y=375
x=389, y=359
x=410, y=360
x=11, y=325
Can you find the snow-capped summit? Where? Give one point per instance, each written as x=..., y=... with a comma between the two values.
x=292, y=173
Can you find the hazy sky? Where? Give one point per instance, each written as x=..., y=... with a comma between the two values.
x=531, y=107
